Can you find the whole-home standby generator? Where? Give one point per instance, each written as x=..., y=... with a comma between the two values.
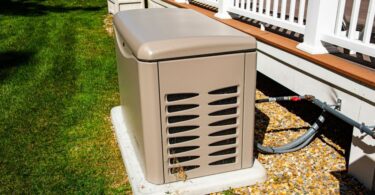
x=187, y=87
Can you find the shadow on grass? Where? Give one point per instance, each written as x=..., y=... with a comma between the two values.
x=54, y=133
x=33, y=8
x=34, y=156
x=11, y=60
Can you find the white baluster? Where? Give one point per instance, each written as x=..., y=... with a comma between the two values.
x=321, y=19
x=242, y=4
x=223, y=8
x=340, y=17
x=301, y=11
x=275, y=8
x=292, y=10
x=283, y=9
x=354, y=19
x=268, y=7
x=261, y=3
x=254, y=5
x=248, y=5
x=369, y=22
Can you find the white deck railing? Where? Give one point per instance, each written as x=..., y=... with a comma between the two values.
x=358, y=41
x=271, y=12
x=318, y=20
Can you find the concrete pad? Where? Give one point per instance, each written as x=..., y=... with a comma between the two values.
x=202, y=185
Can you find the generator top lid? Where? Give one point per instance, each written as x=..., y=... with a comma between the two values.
x=156, y=34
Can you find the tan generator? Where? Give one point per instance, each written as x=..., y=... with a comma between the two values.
x=187, y=87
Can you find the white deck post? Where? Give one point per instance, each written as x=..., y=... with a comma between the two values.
x=320, y=19
x=223, y=9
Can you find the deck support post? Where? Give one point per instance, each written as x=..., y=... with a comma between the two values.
x=362, y=155
x=320, y=19
x=223, y=9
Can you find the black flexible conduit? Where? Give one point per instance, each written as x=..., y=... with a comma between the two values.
x=306, y=138
x=361, y=126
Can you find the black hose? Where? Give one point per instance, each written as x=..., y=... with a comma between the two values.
x=297, y=144
x=306, y=138
x=272, y=151
x=362, y=127
x=300, y=142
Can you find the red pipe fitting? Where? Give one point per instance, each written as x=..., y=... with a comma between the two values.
x=295, y=99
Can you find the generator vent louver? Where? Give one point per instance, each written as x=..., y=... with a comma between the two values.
x=179, y=157
x=230, y=131
x=179, y=129
x=223, y=152
x=228, y=136
x=183, y=128
x=224, y=161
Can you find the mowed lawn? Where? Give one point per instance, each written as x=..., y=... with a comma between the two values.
x=58, y=82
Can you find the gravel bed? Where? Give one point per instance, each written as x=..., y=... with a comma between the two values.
x=319, y=168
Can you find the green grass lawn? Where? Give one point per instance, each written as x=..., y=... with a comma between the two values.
x=58, y=82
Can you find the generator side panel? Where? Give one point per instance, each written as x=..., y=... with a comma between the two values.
x=139, y=94
x=249, y=110
x=151, y=123
x=201, y=111
x=128, y=78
